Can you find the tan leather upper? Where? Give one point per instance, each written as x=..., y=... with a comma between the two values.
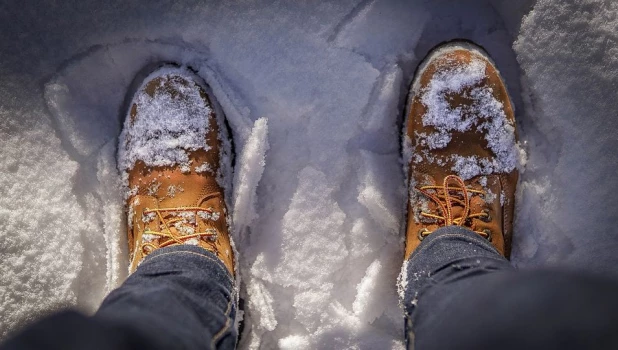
x=494, y=187
x=155, y=190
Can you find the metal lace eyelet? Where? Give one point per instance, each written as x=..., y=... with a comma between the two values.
x=488, y=233
x=487, y=216
x=422, y=233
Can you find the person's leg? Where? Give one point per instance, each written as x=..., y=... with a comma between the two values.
x=174, y=155
x=460, y=293
x=460, y=290
x=72, y=330
x=183, y=293
x=180, y=297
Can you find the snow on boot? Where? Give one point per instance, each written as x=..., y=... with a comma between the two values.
x=461, y=147
x=173, y=155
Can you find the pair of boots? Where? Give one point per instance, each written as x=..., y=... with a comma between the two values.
x=460, y=146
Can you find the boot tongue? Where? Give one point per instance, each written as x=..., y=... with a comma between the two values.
x=177, y=190
x=194, y=196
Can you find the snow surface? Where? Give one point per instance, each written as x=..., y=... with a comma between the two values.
x=319, y=225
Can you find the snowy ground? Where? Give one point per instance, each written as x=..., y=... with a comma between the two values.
x=320, y=238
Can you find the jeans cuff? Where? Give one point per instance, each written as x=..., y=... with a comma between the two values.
x=433, y=245
x=449, y=252
x=190, y=252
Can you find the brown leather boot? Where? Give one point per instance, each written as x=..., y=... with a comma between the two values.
x=461, y=145
x=171, y=154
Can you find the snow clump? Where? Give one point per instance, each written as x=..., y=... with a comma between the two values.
x=485, y=113
x=168, y=126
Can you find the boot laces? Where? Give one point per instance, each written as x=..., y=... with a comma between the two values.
x=447, y=196
x=178, y=226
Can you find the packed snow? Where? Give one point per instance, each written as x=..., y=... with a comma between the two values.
x=314, y=95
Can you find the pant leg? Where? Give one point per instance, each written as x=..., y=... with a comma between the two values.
x=461, y=294
x=72, y=330
x=180, y=297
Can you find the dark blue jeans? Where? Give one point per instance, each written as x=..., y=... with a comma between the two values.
x=180, y=297
x=460, y=294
